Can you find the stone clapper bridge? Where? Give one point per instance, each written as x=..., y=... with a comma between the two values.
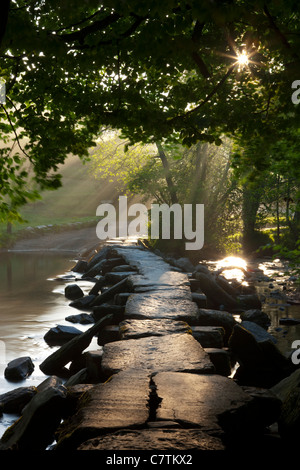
x=159, y=387
x=162, y=390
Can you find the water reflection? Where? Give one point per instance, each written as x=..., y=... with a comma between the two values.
x=271, y=279
x=32, y=301
x=274, y=287
x=232, y=267
x=29, y=305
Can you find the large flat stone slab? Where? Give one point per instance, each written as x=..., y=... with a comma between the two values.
x=182, y=291
x=200, y=400
x=121, y=402
x=158, y=305
x=155, y=439
x=176, y=352
x=141, y=259
x=153, y=270
x=134, y=329
x=156, y=278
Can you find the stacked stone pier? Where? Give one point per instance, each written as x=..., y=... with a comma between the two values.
x=162, y=375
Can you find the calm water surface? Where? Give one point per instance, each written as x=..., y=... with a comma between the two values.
x=32, y=301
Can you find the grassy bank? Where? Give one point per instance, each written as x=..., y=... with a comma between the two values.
x=73, y=205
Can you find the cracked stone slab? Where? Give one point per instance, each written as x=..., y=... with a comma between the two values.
x=175, y=352
x=134, y=329
x=200, y=400
x=158, y=305
x=155, y=439
x=121, y=402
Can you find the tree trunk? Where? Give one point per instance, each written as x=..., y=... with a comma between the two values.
x=296, y=221
x=166, y=166
x=3, y=19
x=198, y=183
x=250, y=205
x=288, y=200
x=277, y=210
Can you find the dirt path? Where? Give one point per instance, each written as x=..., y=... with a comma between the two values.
x=76, y=241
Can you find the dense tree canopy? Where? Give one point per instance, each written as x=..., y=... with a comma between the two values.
x=154, y=70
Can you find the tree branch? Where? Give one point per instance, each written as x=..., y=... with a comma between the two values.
x=196, y=35
x=24, y=6
x=15, y=133
x=167, y=172
x=90, y=29
x=79, y=22
x=279, y=33
x=208, y=97
x=14, y=76
x=197, y=32
x=124, y=35
x=5, y=6
x=201, y=65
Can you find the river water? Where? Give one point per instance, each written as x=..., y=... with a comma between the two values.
x=32, y=301
x=274, y=284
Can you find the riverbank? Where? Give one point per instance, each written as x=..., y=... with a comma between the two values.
x=153, y=354
x=73, y=238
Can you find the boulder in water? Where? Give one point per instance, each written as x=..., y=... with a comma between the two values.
x=80, y=267
x=73, y=292
x=82, y=318
x=15, y=400
x=256, y=316
x=261, y=363
x=60, y=334
x=210, y=317
x=19, y=369
x=30, y=432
